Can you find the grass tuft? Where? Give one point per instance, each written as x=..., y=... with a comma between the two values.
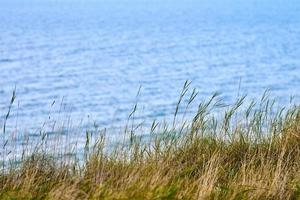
x=241, y=151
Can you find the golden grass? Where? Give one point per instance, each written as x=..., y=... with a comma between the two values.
x=252, y=152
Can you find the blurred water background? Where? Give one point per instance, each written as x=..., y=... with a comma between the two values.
x=85, y=60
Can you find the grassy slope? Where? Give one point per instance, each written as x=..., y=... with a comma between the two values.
x=249, y=154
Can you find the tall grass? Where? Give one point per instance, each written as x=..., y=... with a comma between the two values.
x=247, y=150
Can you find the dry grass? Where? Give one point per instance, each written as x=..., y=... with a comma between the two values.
x=252, y=152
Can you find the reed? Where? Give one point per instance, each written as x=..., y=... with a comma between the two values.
x=246, y=150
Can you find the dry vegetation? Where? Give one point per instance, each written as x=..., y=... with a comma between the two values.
x=249, y=151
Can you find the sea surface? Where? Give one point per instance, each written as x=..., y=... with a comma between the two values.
x=91, y=61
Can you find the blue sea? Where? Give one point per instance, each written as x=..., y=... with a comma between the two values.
x=86, y=61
